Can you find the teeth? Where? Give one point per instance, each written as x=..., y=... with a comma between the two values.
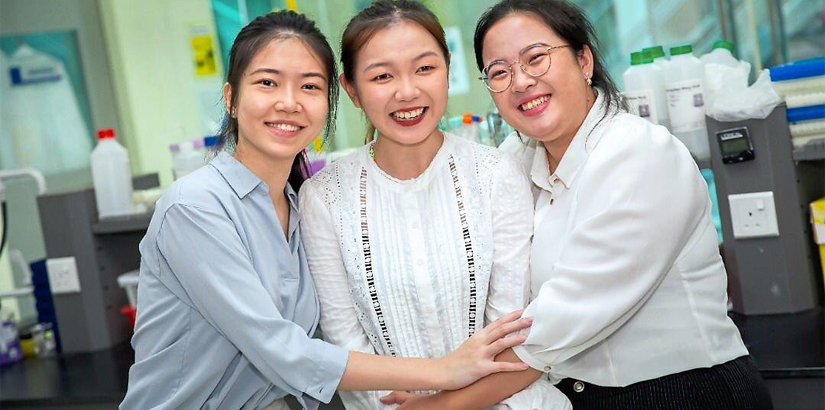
x=407, y=115
x=532, y=104
x=285, y=127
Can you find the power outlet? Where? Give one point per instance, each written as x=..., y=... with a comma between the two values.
x=63, y=275
x=753, y=215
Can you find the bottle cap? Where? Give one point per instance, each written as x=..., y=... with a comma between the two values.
x=727, y=45
x=685, y=49
x=655, y=51
x=636, y=58
x=105, y=133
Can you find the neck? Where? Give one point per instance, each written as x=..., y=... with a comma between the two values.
x=556, y=147
x=273, y=171
x=407, y=161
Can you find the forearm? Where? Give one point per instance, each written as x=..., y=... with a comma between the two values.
x=373, y=372
x=487, y=391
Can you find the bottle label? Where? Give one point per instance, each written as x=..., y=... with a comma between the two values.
x=643, y=104
x=686, y=103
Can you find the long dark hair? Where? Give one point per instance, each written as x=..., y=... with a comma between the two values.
x=381, y=14
x=568, y=22
x=257, y=34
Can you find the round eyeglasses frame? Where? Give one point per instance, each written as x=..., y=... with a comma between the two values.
x=484, y=79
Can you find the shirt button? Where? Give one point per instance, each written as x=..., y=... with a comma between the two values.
x=548, y=368
x=419, y=262
x=578, y=387
x=415, y=225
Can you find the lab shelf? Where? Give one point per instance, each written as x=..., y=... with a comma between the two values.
x=812, y=151
x=120, y=224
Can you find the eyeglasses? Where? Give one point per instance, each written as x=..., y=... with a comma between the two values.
x=534, y=61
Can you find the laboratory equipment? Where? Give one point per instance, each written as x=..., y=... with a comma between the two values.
x=644, y=89
x=684, y=87
x=658, y=55
x=112, y=176
x=768, y=272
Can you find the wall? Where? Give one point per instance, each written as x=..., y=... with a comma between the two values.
x=159, y=96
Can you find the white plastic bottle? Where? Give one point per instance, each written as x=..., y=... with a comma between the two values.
x=112, y=176
x=658, y=55
x=644, y=89
x=722, y=53
x=684, y=86
x=190, y=158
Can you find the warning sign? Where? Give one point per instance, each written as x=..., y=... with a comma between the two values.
x=204, y=54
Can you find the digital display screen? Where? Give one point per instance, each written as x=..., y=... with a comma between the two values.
x=735, y=146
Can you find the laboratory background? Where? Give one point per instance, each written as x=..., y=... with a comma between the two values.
x=104, y=103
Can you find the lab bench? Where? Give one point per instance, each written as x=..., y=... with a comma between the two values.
x=789, y=350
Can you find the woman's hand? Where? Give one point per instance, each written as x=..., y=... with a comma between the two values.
x=475, y=358
x=400, y=397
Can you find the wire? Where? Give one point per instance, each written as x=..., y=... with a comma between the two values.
x=3, y=236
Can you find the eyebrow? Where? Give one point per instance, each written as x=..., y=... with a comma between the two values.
x=384, y=63
x=500, y=60
x=278, y=72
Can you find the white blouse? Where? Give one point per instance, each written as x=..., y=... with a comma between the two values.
x=627, y=281
x=413, y=268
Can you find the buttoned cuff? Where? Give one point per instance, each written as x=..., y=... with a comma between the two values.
x=525, y=356
x=328, y=372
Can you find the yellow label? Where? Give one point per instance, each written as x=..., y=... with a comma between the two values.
x=204, y=54
x=292, y=5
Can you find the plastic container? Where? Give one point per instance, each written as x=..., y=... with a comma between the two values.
x=801, y=83
x=10, y=351
x=818, y=225
x=190, y=157
x=129, y=282
x=722, y=53
x=112, y=176
x=644, y=89
x=684, y=87
x=658, y=54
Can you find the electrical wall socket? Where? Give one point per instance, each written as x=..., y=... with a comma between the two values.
x=753, y=215
x=63, y=275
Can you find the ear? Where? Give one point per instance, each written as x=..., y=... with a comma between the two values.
x=351, y=92
x=585, y=58
x=227, y=98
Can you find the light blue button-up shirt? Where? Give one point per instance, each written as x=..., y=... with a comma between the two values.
x=225, y=303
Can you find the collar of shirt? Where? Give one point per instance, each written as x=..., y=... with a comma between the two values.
x=574, y=157
x=243, y=181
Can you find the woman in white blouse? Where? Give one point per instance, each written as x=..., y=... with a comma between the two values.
x=419, y=238
x=628, y=289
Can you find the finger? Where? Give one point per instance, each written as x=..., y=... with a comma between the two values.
x=511, y=327
x=510, y=367
x=489, y=331
x=388, y=399
x=505, y=343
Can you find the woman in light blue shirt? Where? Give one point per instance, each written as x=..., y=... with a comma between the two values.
x=226, y=305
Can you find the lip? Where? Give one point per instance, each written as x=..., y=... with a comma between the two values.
x=283, y=133
x=537, y=109
x=410, y=123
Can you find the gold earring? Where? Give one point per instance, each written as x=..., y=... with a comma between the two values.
x=589, y=81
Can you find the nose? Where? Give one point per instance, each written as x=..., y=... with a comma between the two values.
x=407, y=89
x=287, y=101
x=521, y=80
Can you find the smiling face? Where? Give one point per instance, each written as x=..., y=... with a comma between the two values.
x=282, y=101
x=550, y=107
x=400, y=81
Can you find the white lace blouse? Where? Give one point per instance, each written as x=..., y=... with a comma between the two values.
x=412, y=268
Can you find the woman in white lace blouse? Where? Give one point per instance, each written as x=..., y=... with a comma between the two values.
x=419, y=238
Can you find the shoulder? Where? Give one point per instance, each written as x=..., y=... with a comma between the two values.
x=330, y=180
x=483, y=156
x=204, y=189
x=626, y=137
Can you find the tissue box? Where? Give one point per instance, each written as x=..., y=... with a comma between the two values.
x=818, y=221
